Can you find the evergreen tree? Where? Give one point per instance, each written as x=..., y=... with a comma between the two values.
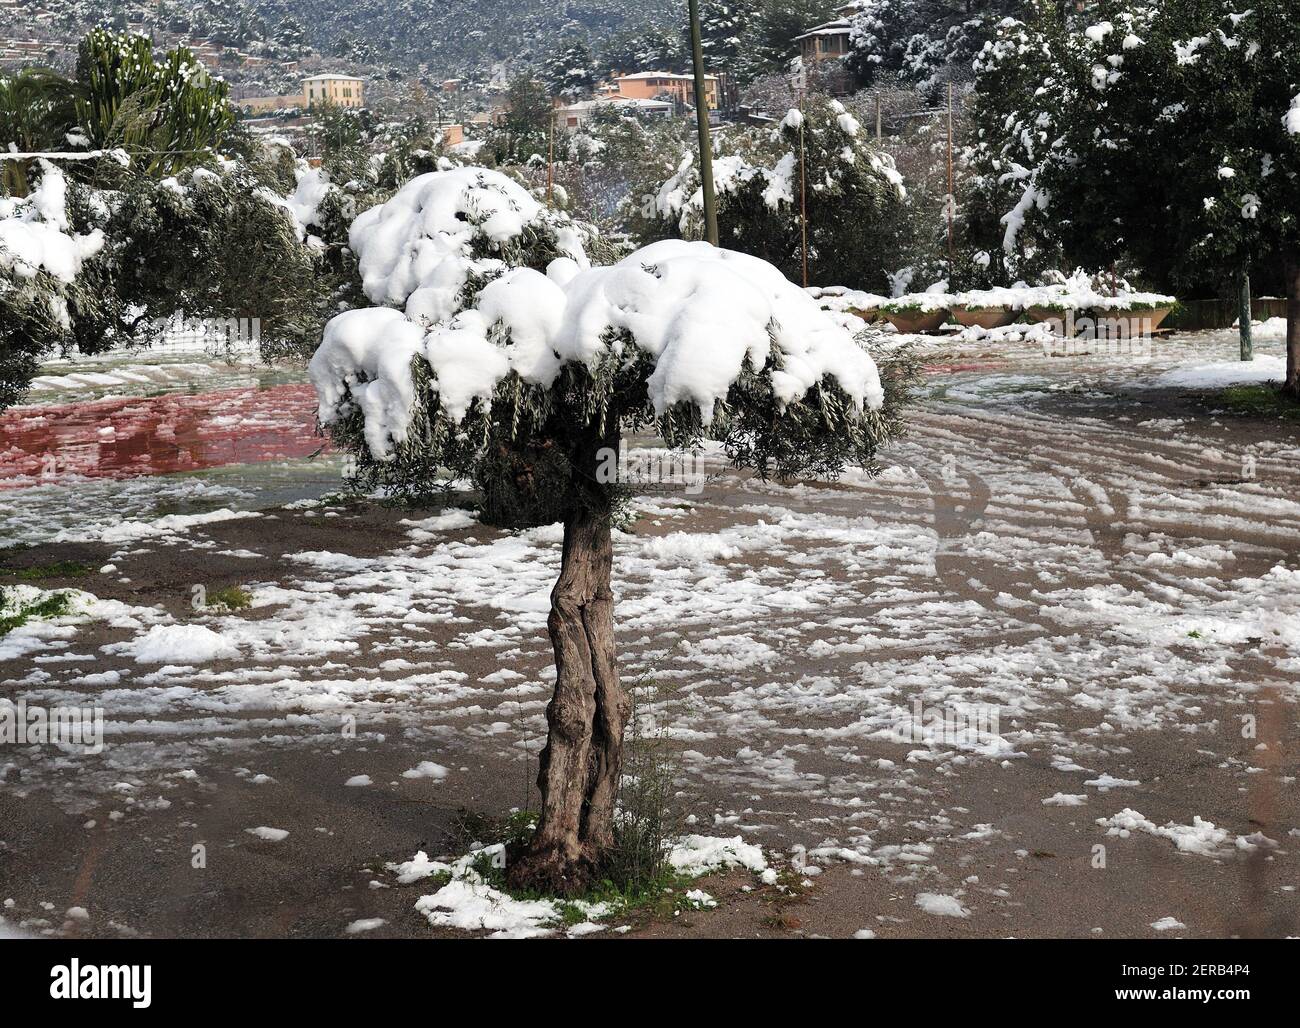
x=721, y=24
x=571, y=71
x=767, y=38
x=522, y=131
x=1166, y=135
x=853, y=194
x=923, y=42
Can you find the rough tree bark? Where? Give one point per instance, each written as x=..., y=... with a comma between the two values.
x=581, y=762
x=1292, y=384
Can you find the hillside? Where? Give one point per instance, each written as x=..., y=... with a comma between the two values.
x=450, y=37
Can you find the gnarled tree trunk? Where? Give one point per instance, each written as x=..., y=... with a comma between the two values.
x=581, y=763
x=1292, y=384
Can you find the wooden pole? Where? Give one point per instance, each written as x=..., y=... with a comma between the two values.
x=702, y=124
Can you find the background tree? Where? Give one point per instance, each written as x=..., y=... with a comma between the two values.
x=854, y=196
x=571, y=70
x=721, y=24
x=37, y=112
x=167, y=113
x=1199, y=95
x=923, y=43
x=648, y=48
x=616, y=163
x=693, y=341
x=767, y=36
x=521, y=131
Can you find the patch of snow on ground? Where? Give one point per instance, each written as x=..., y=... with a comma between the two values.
x=1264, y=368
x=941, y=905
x=699, y=854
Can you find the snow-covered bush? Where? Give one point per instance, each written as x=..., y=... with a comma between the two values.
x=853, y=192
x=216, y=245
x=88, y=269
x=471, y=353
x=41, y=260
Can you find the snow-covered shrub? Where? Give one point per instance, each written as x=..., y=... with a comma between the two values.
x=216, y=245
x=41, y=261
x=854, y=197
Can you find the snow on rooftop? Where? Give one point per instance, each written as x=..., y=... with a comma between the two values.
x=660, y=75
x=840, y=27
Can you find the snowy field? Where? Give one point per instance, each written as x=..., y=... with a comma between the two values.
x=1070, y=553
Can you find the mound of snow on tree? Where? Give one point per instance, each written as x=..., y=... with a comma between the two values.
x=35, y=236
x=702, y=315
x=419, y=248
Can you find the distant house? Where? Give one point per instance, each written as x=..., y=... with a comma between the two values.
x=262, y=104
x=650, y=85
x=575, y=115
x=822, y=50
x=828, y=41
x=341, y=90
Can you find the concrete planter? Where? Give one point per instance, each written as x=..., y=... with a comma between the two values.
x=1139, y=321
x=912, y=322
x=1046, y=313
x=984, y=317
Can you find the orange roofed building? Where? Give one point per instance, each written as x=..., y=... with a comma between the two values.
x=651, y=85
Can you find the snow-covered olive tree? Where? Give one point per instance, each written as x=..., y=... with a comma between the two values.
x=1165, y=134
x=470, y=352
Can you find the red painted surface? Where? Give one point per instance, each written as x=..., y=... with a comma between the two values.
x=127, y=437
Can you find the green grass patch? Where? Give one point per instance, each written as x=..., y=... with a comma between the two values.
x=1257, y=401
x=234, y=597
x=469, y=827
x=52, y=606
x=59, y=569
